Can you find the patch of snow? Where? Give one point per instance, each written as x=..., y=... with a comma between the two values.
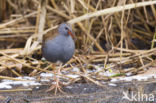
x=84, y=88
x=46, y=74
x=112, y=84
x=103, y=82
x=140, y=78
x=29, y=81
x=126, y=78
x=27, y=78
x=45, y=80
x=53, y=83
x=75, y=69
x=90, y=71
x=37, y=87
x=98, y=68
x=73, y=76
x=128, y=74
x=154, y=76
x=107, y=73
x=3, y=85
x=43, y=59
x=69, y=87
x=114, y=80
x=137, y=77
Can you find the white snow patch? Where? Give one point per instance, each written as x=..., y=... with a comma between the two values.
x=76, y=69
x=103, y=82
x=112, y=84
x=26, y=78
x=84, y=88
x=126, y=79
x=137, y=77
x=128, y=74
x=37, y=87
x=90, y=71
x=35, y=62
x=46, y=74
x=3, y=85
x=69, y=87
x=45, y=80
x=114, y=80
x=98, y=68
x=154, y=76
x=107, y=73
x=73, y=75
x=43, y=59
x=7, y=83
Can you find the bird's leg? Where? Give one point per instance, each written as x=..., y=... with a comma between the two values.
x=57, y=86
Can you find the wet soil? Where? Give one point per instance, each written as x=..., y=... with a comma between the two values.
x=85, y=93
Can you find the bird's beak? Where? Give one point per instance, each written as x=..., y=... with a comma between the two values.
x=71, y=34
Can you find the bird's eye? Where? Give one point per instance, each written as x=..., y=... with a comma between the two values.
x=66, y=28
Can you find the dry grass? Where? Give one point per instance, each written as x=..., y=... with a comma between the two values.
x=115, y=32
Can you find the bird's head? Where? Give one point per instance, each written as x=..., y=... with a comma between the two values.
x=65, y=29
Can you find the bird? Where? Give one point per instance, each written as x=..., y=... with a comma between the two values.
x=58, y=47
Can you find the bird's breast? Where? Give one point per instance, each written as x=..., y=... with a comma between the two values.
x=59, y=49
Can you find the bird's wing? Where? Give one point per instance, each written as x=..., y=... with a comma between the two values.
x=50, y=35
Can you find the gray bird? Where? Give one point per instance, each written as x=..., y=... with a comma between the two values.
x=58, y=47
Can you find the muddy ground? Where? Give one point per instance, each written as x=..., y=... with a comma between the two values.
x=86, y=93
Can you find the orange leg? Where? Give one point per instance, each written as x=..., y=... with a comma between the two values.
x=57, y=86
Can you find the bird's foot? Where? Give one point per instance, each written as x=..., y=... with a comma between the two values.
x=56, y=87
